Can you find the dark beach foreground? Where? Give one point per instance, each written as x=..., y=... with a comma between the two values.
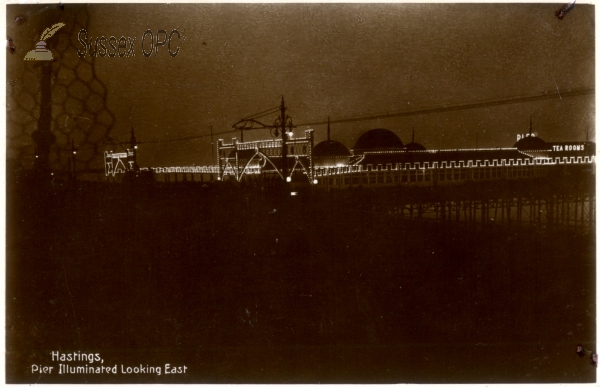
x=249, y=286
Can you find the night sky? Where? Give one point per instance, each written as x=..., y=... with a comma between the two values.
x=336, y=60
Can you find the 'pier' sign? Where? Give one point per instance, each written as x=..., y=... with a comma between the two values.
x=520, y=136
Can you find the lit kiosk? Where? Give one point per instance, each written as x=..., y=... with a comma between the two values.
x=288, y=159
x=532, y=145
x=264, y=159
x=123, y=162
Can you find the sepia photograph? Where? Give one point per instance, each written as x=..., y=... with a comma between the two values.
x=259, y=193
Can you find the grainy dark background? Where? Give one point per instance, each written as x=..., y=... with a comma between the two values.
x=337, y=60
x=321, y=290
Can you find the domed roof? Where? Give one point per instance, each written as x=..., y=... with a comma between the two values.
x=415, y=146
x=531, y=143
x=378, y=139
x=330, y=148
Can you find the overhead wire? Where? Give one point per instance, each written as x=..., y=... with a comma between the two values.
x=488, y=103
x=185, y=138
x=266, y=114
x=271, y=110
x=364, y=118
x=114, y=141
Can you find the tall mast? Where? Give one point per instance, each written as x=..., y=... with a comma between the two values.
x=212, y=150
x=530, y=126
x=133, y=145
x=283, y=142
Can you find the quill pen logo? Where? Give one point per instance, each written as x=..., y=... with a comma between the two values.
x=40, y=52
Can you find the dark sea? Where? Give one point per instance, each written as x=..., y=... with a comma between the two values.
x=247, y=286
